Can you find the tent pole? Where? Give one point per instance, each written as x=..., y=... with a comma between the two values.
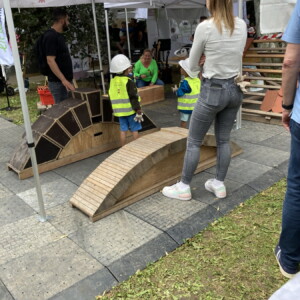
x=98, y=46
x=128, y=38
x=107, y=37
x=29, y=137
x=239, y=113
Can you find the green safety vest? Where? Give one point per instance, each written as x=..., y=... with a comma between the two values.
x=188, y=101
x=119, y=97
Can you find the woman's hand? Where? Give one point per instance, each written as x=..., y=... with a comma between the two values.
x=202, y=60
x=151, y=83
x=143, y=76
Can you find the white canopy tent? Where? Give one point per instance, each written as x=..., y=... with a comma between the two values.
x=275, y=14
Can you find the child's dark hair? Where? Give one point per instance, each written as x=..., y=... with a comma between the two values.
x=58, y=14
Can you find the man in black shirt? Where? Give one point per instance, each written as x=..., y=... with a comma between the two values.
x=58, y=57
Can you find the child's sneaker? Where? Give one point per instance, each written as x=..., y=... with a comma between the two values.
x=220, y=191
x=176, y=192
x=284, y=271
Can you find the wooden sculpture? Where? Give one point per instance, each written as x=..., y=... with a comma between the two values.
x=139, y=169
x=72, y=130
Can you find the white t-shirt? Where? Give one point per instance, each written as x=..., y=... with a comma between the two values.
x=223, y=51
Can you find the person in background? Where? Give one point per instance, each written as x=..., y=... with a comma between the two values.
x=202, y=18
x=220, y=97
x=188, y=92
x=124, y=98
x=287, y=252
x=58, y=57
x=146, y=71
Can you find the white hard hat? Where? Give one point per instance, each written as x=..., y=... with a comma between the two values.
x=182, y=52
x=184, y=64
x=119, y=63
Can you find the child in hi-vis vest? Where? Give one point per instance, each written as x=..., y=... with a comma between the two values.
x=187, y=93
x=124, y=98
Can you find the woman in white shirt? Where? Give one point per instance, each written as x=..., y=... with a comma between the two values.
x=221, y=39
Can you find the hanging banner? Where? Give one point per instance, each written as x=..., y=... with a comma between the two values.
x=6, y=57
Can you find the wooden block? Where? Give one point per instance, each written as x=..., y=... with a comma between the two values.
x=269, y=100
x=277, y=107
x=151, y=94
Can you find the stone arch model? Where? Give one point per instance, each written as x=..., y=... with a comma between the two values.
x=74, y=129
x=139, y=169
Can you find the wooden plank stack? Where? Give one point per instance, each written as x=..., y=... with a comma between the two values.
x=264, y=57
x=140, y=169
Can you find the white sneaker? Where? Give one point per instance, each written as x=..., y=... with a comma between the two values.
x=220, y=192
x=175, y=192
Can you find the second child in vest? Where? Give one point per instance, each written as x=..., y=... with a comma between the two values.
x=124, y=98
x=187, y=93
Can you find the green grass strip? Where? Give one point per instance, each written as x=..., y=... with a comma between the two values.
x=231, y=259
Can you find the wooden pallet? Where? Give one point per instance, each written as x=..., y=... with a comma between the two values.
x=268, y=62
x=140, y=169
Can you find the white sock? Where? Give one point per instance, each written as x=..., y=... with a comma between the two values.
x=183, y=185
x=217, y=183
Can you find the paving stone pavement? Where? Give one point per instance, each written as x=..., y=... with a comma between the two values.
x=69, y=257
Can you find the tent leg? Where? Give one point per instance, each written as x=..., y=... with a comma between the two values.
x=98, y=47
x=29, y=137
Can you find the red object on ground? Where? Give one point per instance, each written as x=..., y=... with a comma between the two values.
x=45, y=95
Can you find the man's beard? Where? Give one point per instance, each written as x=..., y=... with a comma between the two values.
x=65, y=27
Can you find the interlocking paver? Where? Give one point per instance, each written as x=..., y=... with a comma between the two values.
x=47, y=270
x=23, y=236
x=114, y=236
x=54, y=193
x=12, y=209
x=163, y=212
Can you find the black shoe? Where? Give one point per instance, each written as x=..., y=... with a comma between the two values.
x=287, y=272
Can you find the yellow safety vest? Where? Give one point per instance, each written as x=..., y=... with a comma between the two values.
x=119, y=97
x=188, y=101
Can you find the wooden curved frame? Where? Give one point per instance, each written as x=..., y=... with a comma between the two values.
x=139, y=169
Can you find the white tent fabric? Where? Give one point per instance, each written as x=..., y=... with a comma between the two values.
x=53, y=3
x=275, y=14
x=157, y=4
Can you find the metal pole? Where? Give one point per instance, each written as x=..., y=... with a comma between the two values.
x=108, y=41
x=239, y=113
x=98, y=46
x=30, y=142
x=128, y=38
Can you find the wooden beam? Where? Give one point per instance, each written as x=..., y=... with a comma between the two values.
x=263, y=78
x=269, y=55
x=260, y=112
x=267, y=49
x=262, y=64
x=265, y=86
x=249, y=101
x=268, y=41
x=262, y=71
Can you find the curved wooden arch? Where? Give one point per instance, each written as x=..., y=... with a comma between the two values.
x=72, y=130
x=139, y=169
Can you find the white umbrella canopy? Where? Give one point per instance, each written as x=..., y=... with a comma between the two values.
x=53, y=3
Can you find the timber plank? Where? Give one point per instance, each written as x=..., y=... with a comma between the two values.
x=259, y=112
x=262, y=71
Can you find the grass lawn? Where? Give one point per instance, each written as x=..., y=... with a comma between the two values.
x=32, y=98
x=232, y=259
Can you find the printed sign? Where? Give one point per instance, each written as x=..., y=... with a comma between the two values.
x=6, y=57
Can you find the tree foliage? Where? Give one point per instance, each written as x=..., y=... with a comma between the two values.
x=30, y=23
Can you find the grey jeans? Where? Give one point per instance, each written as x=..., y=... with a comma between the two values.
x=219, y=100
x=58, y=91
